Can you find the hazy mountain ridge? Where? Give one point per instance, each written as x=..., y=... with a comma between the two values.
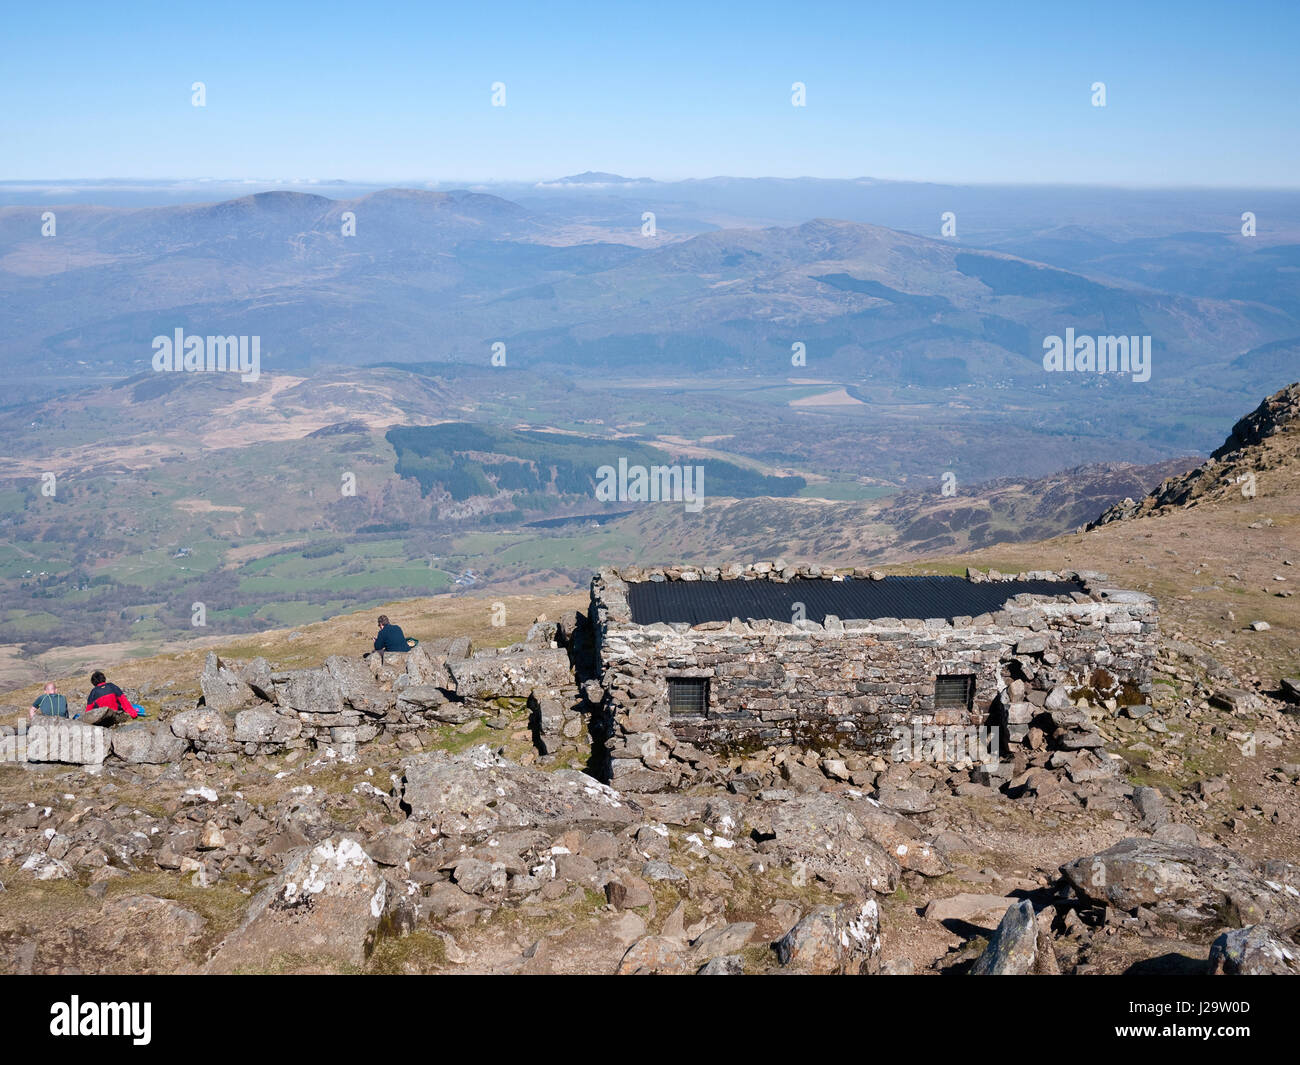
x=446, y=274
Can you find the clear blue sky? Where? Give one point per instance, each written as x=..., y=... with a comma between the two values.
x=1197, y=94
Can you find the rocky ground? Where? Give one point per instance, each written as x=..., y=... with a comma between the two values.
x=458, y=846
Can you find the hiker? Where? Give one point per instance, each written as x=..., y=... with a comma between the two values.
x=390, y=637
x=108, y=696
x=51, y=704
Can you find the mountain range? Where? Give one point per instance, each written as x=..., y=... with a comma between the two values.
x=445, y=275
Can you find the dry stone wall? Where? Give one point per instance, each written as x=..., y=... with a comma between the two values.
x=250, y=708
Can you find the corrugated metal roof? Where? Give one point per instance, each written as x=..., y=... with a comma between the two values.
x=893, y=597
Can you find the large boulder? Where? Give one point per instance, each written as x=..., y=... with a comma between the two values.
x=424, y=664
x=387, y=667
x=264, y=725
x=1151, y=807
x=148, y=744
x=906, y=800
x=223, y=689
x=829, y=836
x=451, y=907
x=104, y=716
x=310, y=691
x=722, y=940
x=834, y=939
x=70, y=742
x=1190, y=885
x=1236, y=699
x=256, y=673
x=655, y=955
x=1255, y=950
x=418, y=665
x=135, y=933
x=319, y=911
x=627, y=774
x=542, y=634
x=511, y=674
x=982, y=911
x=902, y=838
x=457, y=647
x=204, y=728
x=479, y=791
x=546, y=718
x=357, y=687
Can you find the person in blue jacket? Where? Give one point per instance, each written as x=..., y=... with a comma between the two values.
x=390, y=637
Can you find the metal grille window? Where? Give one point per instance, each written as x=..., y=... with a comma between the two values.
x=956, y=691
x=688, y=696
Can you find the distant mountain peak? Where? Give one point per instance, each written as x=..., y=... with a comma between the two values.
x=597, y=177
x=274, y=200
x=435, y=196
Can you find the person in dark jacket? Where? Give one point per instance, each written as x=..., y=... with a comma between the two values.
x=390, y=637
x=108, y=696
x=51, y=704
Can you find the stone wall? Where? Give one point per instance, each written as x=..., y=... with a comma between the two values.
x=250, y=708
x=851, y=683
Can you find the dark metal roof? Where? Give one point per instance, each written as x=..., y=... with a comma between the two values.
x=893, y=597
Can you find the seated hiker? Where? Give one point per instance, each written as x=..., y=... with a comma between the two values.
x=51, y=704
x=107, y=697
x=391, y=637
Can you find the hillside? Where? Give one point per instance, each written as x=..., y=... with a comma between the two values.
x=909, y=524
x=1204, y=789
x=123, y=505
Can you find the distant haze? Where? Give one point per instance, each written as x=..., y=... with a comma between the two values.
x=950, y=92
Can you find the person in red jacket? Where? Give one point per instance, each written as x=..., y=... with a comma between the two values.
x=109, y=696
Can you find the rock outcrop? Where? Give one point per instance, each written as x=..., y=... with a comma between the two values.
x=1255, y=950
x=324, y=906
x=1259, y=442
x=834, y=940
x=1188, y=885
x=479, y=791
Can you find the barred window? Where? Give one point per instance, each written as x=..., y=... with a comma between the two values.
x=954, y=692
x=688, y=696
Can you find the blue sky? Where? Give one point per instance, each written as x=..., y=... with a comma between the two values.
x=1197, y=94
